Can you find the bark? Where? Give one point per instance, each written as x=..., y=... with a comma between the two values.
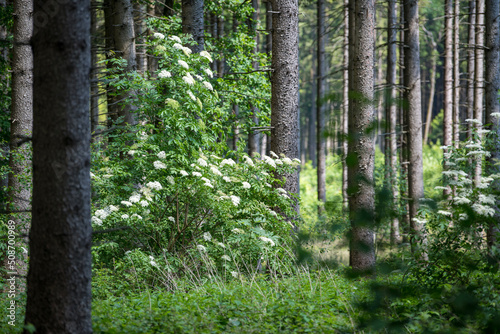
x=253, y=136
x=320, y=107
x=448, y=82
x=192, y=22
x=456, y=75
x=151, y=59
x=94, y=81
x=311, y=133
x=285, y=86
x=391, y=149
x=345, y=107
x=432, y=89
x=471, y=65
x=21, y=126
x=414, y=103
x=492, y=41
x=140, y=34
x=361, y=143
x=59, y=296
x=479, y=82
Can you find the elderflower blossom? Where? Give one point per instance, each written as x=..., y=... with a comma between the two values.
x=274, y=155
x=175, y=38
x=472, y=120
x=103, y=214
x=248, y=160
x=474, y=145
x=483, y=210
x=126, y=203
x=273, y=213
x=162, y=155
x=461, y=200
x=199, y=77
x=172, y=219
x=132, y=152
x=96, y=221
x=183, y=64
x=187, y=51
x=197, y=174
x=207, y=236
x=419, y=221
x=170, y=179
x=202, y=162
x=154, y=185
x=267, y=240
x=221, y=244
x=225, y=257
x=463, y=216
x=209, y=72
x=144, y=203
x=206, y=55
x=158, y=35
x=135, y=215
x=208, y=85
x=135, y=198
x=477, y=153
x=201, y=248
x=215, y=170
x=113, y=208
x=191, y=95
x=487, y=199
x=287, y=161
x=159, y=165
x=234, y=274
x=269, y=161
x=235, y=200
x=164, y=74
x=227, y=178
x=444, y=213
x=184, y=173
x=237, y=231
x=152, y=261
x=483, y=131
x=246, y=185
x=227, y=162
x=495, y=114
x=125, y=216
x=188, y=78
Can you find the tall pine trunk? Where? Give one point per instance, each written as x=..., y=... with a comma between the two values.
x=361, y=154
x=456, y=75
x=492, y=40
x=391, y=149
x=471, y=65
x=320, y=107
x=59, y=296
x=479, y=83
x=448, y=82
x=414, y=103
x=285, y=86
x=345, y=107
x=193, y=22
x=21, y=126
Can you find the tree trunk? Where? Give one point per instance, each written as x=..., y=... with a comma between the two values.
x=140, y=37
x=285, y=86
x=59, y=296
x=456, y=75
x=414, y=103
x=391, y=148
x=253, y=136
x=432, y=89
x=471, y=65
x=19, y=192
x=193, y=22
x=345, y=107
x=94, y=79
x=220, y=34
x=151, y=59
x=311, y=133
x=448, y=82
x=492, y=40
x=361, y=155
x=320, y=107
x=479, y=83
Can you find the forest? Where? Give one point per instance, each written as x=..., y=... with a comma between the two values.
x=246, y=166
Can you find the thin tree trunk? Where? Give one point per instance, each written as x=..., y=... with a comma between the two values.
x=59, y=292
x=492, y=40
x=361, y=156
x=94, y=80
x=151, y=59
x=320, y=107
x=391, y=149
x=140, y=37
x=432, y=89
x=285, y=86
x=456, y=75
x=479, y=83
x=311, y=133
x=448, y=82
x=193, y=22
x=345, y=107
x=471, y=65
x=414, y=103
x=220, y=34
x=19, y=192
x=253, y=136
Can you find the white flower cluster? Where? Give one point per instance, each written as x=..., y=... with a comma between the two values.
x=164, y=74
x=158, y=35
x=183, y=64
x=267, y=240
x=246, y=185
x=159, y=165
x=202, y=162
x=188, y=78
x=206, y=55
x=154, y=185
x=229, y=162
